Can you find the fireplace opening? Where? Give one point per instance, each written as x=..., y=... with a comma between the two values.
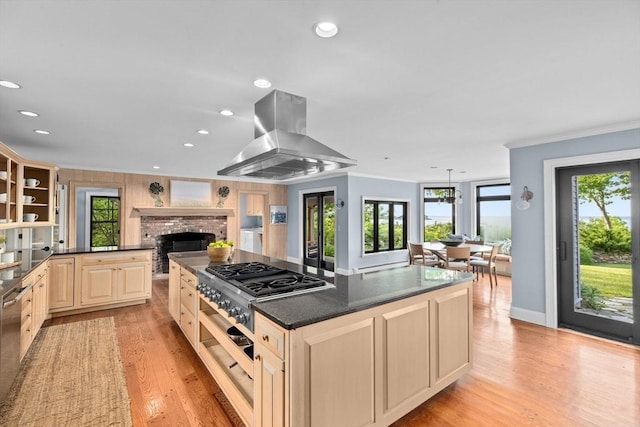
x=182, y=242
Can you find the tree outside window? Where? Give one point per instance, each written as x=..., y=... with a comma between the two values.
x=105, y=221
x=385, y=226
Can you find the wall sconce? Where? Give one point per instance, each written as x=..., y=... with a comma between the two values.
x=339, y=204
x=523, y=204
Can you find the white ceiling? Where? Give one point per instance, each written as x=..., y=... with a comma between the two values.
x=404, y=87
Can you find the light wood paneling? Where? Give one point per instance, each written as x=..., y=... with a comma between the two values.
x=135, y=193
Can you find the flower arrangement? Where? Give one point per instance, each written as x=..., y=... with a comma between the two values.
x=156, y=189
x=223, y=192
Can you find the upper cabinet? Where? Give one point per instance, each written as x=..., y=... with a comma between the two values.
x=27, y=191
x=255, y=204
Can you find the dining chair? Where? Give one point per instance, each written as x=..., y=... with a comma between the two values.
x=458, y=258
x=419, y=254
x=488, y=264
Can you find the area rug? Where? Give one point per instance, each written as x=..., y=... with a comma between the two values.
x=71, y=376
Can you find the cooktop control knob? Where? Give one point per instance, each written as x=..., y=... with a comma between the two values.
x=241, y=318
x=224, y=303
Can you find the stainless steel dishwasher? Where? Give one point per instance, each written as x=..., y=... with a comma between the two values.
x=10, y=309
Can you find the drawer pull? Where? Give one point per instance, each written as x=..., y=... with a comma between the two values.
x=265, y=338
x=258, y=357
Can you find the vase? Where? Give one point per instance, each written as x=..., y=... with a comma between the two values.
x=221, y=201
x=159, y=202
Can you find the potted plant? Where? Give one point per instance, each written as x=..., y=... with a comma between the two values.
x=220, y=250
x=3, y=240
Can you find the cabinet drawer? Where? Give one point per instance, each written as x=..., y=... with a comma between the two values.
x=26, y=301
x=269, y=336
x=188, y=324
x=188, y=278
x=118, y=258
x=188, y=298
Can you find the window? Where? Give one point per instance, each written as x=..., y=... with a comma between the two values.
x=385, y=226
x=439, y=216
x=493, y=212
x=105, y=219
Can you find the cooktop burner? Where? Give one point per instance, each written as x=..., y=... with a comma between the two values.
x=279, y=284
x=244, y=270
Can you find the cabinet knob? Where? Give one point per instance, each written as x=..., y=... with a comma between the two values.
x=258, y=357
x=265, y=338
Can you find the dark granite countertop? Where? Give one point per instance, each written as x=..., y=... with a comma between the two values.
x=27, y=260
x=76, y=251
x=351, y=293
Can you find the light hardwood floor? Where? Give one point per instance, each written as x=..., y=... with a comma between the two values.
x=523, y=374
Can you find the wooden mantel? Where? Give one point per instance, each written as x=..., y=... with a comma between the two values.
x=184, y=211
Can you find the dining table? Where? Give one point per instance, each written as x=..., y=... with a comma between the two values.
x=440, y=249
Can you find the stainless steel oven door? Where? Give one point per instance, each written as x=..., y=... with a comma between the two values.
x=10, y=309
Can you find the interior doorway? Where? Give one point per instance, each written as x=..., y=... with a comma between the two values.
x=597, y=233
x=319, y=234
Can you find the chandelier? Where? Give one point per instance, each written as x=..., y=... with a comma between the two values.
x=450, y=195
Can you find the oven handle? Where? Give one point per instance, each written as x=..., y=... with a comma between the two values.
x=21, y=293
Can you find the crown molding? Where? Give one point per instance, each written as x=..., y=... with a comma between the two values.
x=600, y=130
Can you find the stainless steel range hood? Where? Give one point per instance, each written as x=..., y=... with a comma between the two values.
x=282, y=150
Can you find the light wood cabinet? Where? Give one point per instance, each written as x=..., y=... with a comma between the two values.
x=188, y=306
x=35, y=305
x=35, y=197
x=255, y=204
x=367, y=368
x=61, y=283
x=117, y=277
x=40, y=297
x=26, y=322
x=174, y=290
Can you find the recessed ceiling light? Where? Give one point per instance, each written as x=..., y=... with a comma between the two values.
x=433, y=167
x=10, y=85
x=226, y=112
x=156, y=167
x=42, y=132
x=188, y=144
x=203, y=132
x=28, y=113
x=325, y=29
x=262, y=83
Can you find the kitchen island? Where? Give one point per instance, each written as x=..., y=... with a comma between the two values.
x=364, y=352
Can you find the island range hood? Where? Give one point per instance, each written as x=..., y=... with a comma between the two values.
x=282, y=150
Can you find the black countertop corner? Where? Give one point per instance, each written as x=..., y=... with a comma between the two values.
x=349, y=293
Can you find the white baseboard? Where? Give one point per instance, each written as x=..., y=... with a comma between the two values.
x=528, y=316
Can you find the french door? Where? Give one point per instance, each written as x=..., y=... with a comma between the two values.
x=598, y=225
x=319, y=230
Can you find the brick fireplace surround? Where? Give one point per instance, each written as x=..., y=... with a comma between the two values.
x=152, y=227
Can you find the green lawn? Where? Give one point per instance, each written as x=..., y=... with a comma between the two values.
x=611, y=279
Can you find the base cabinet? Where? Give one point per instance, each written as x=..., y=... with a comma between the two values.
x=61, y=283
x=113, y=278
x=367, y=368
x=35, y=305
x=174, y=290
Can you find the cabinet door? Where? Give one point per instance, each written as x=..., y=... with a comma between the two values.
x=133, y=279
x=268, y=371
x=255, y=204
x=26, y=322
x=40, y=306
x=98, y=285
x=61, y=283
x=340, y=386
x=451, y=327
x=405, y=339
x=174, y=290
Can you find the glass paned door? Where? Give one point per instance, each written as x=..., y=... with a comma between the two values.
x=598, y=281
x=319, y=230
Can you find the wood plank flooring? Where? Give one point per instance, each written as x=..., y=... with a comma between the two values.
x=523, y=374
